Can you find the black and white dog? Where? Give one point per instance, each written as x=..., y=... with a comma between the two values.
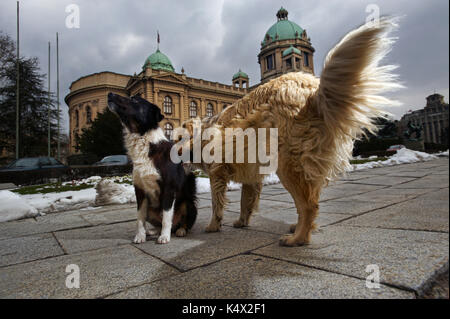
x=165, y=193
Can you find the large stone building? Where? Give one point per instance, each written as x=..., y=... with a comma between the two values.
x=285, y=48
x=433, y=119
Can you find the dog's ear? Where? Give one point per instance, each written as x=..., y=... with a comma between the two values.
x=160, y=116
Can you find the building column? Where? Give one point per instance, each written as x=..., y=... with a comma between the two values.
x=181, y=111
x=155, y=91
x=202, y=107
x=438, y=137
x=433, y=135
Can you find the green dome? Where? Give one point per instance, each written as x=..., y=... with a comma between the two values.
x=158, y=61
x=290, y=50
x=283, y=28
x=240, y=74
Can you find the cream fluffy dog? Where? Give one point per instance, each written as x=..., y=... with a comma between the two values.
x=317, y=119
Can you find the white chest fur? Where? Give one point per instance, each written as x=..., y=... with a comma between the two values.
x=138, y=147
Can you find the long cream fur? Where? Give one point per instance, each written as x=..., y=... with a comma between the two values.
x=317, y=120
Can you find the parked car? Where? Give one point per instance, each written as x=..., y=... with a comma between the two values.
x=35, y=170
x=395, y=148
x=33, y=163
x=113, y=160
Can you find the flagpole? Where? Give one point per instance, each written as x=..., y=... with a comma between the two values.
x=49, y=102
x=17, y=87
x=57, y=92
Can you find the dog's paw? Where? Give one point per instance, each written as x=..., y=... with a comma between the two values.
x=289, y=241
x=153, y=232
x=163, y=239
x=140, y=238
x=181, y=232
x=212, y=228
x=239, y=224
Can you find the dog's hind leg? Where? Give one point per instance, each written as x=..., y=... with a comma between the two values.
x=249, y=203
x=306, y=197
x=218, y=190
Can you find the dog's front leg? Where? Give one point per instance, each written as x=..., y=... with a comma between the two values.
x=141, y=219
x=168, y=206
x=218, y=190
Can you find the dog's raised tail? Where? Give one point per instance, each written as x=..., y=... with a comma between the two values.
x=352, y=80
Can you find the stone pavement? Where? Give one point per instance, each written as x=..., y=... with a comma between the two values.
x=396, y=218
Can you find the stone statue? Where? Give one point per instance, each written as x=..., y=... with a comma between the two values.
x=413, y=132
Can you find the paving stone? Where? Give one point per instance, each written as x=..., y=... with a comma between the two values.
x=386, y=180
x=416, y=214
x=415, y=174
x=349, y=207
x=441, y=194
x=102, y=272
x=24, y=249
x=431, y=181
x=355, y=176
x=232, y=196
x=404, y=258
x=17, y=228
x=387, y=196
x=202, y=203
x=59, y=221
x=42, y=224
x=199, y=248
x=204, y=196
x=77, y=240
x=278, y=221
x=265, y=202
x=109, y=217
x=252, y=276
x=346, y=190
x=267, y=192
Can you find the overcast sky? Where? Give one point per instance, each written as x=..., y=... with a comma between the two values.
x=212, y=39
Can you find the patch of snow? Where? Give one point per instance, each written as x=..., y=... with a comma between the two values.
x=14, y=207
x=53, y=202
x=403, y=156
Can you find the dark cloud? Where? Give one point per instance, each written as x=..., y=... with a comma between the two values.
x=213, y=39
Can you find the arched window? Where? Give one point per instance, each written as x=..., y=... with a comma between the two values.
x=209, y=110
x=88, y=114
x=168, y=130
x=168, y=105
x=193, y=109
x=77, y=118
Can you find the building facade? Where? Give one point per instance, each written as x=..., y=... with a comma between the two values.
x=285, y=48
x=433, y=118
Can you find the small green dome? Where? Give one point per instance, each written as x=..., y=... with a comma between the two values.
x=158, y=61
x=290, y=50
x=283, y=29
x=240, y=74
